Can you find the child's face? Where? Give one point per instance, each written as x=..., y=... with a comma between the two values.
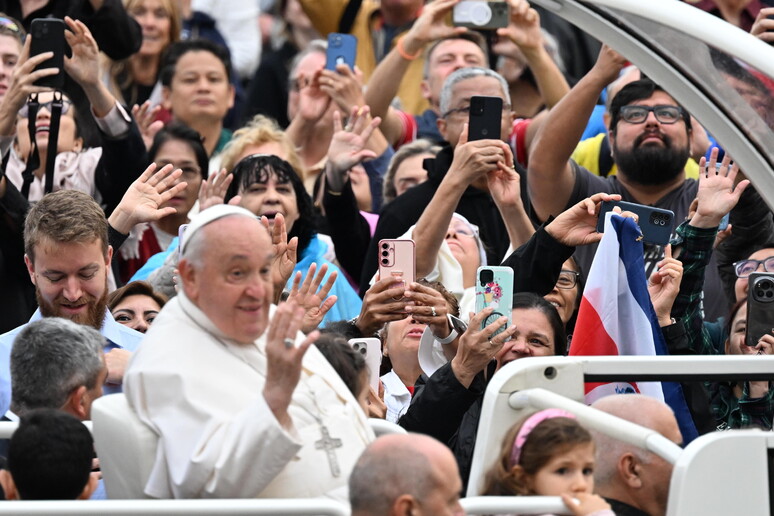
x=569, y=472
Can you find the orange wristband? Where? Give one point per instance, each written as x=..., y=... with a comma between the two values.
x=403, y=53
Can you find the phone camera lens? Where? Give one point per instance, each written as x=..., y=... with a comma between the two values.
x=385, y=254
x=385, y=262
x=385, y=246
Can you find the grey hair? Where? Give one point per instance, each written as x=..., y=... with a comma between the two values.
x=608, y=452
x=409, y=150
x=49, y=359
x=379, y=478
x=194, y=249
x=469, y=73
x=316, y=45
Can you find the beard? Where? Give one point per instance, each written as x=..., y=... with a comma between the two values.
x=93, y=316
x=651, y=164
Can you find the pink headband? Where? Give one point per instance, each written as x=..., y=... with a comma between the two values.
x=529, y=425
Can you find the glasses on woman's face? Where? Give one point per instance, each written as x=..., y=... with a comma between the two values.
x=567, y=279
x=744, y=268
x=462, y=230
x=25, y=110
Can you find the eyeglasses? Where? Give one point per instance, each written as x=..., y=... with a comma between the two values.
x=466, y=111
x=25, y=110
x=461, y=229
x=666, y=114
x=744, y=268
x=567, y=279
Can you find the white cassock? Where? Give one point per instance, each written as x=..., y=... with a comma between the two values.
x=203, y=395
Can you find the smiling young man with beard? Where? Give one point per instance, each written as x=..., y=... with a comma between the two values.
x=68, y=259
x=650, y=136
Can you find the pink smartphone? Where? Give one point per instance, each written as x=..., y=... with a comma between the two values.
x=397, y=260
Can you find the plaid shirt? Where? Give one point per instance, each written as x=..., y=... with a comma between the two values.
x=745, y=412
x=728, y=410
x=695, y=246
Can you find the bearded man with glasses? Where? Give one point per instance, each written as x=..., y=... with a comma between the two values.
x=650, y=138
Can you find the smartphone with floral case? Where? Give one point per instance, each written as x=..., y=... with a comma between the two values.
x=494, y=288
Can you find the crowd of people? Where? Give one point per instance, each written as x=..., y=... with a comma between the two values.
x=205, y=236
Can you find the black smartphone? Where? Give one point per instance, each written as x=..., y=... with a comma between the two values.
x=655, y=223
x=485, y=118
x=48, y=36
x=760, y=306
x=342, y=49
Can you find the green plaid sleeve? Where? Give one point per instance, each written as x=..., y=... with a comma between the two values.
x=693, y=247
x=731, y=412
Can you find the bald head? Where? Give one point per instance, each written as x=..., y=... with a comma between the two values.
x=401, y=474
x=636, y=408
x=625, y=472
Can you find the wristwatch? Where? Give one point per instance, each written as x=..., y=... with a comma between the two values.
x=457, y=326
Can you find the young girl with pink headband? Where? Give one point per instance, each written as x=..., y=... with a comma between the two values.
x=548, y=454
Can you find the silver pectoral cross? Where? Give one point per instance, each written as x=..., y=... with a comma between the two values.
x=328, y=444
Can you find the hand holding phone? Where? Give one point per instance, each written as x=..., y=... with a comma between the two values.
x=655, y=223
x=494, y=288
x=760, y=307
x=371, y=349
x=397, y=260
x=342, y=49
x=48, y=36
x=485, y=118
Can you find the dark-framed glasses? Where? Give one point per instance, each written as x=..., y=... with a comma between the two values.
x=636, y=114
x=744, y=268
x=567, y=279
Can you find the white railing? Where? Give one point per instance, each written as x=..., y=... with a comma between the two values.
x=514, y=505
x=277, y=507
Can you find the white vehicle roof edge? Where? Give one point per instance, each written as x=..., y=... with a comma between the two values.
x=701, y=25
x=688, y=20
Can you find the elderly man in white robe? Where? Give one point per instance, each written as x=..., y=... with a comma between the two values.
x=242, y=405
